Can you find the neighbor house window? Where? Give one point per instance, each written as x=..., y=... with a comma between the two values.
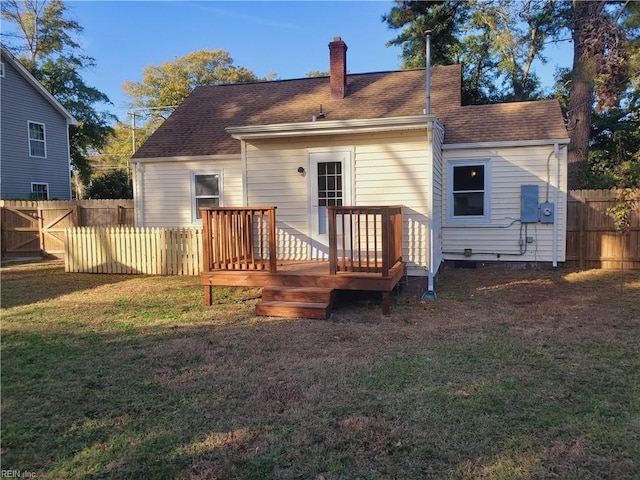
x=39, y=191
x=37, y=142
x=207, y=192
x=469, y=190
x=2, y=69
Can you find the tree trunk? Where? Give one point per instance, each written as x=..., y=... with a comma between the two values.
x=581, y=96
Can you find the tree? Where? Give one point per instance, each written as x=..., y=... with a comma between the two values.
x=317, y=73
x=46, y=47
x=61, y=77
x=120, y=146
x=497, y=42
x=599, y=75
x=442, y=18
x=167, y=85
x=614, y=143
x=111, y=185
x=42, y=27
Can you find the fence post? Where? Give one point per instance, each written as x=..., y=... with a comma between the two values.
x=583, y=226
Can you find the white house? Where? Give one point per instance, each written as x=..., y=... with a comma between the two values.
x=477, y=182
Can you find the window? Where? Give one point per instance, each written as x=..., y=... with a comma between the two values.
x=207, y=192
x=2, y=69
x=37, y=143
x=39, y=191
x=469, y=191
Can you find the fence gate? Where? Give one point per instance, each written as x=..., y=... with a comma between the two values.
x=53, y=221
x=36, y=228
x=21, y=231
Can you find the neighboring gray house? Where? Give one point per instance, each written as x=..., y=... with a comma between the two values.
x=34, y=137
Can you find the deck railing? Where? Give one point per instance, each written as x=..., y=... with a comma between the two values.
x=364, y=239
x=242, y=238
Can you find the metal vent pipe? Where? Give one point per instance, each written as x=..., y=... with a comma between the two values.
x=428, y=71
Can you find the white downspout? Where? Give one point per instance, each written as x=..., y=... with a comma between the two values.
x=556, y=196
x=138, y=194
x=244, y=168
x=431, y=271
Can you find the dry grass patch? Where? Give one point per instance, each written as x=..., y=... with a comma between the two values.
x=509, y=374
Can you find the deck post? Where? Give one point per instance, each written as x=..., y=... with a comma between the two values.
x=207, y=239
x=273, y=256
x=386, y=302
x=208, y=295
x=386, y=237
x=333, y=241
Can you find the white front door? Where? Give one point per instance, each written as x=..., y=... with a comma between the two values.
x=329, y=184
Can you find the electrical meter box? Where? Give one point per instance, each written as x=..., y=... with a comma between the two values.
x=529, y=203
x=546, y=212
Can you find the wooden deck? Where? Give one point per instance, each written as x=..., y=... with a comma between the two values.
x=307, y=274
x=240, y=250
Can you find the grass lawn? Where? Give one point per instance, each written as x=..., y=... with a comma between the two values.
x=507, y=375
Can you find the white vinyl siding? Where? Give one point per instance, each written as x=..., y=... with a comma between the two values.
x=499, y=237
x=165, y=189
x=388, y=169
x=37, y=139
x=273, y=180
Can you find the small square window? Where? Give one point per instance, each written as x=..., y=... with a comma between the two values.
x=37, y=141
x=40, y=191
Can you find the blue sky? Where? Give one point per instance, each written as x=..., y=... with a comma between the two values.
x=289, y=38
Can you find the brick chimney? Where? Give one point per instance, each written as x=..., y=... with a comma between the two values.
x=338, y=68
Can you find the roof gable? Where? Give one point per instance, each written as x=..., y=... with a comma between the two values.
x=24, y=73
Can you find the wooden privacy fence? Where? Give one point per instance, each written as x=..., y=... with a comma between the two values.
x=592, y=241
x=126, y=249
x=36, y=228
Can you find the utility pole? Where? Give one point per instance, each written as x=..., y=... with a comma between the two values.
x=134, y=114
x=133, y=132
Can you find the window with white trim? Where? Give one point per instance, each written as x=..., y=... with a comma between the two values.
x=37, y=140
x=469, y=190
x=207, y=189
x=39, y=191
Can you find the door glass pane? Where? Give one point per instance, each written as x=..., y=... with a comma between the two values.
x=329, y=191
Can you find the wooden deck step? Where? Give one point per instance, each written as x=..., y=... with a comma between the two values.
x=294, y=309
x=296, y=302
x=298, y=294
